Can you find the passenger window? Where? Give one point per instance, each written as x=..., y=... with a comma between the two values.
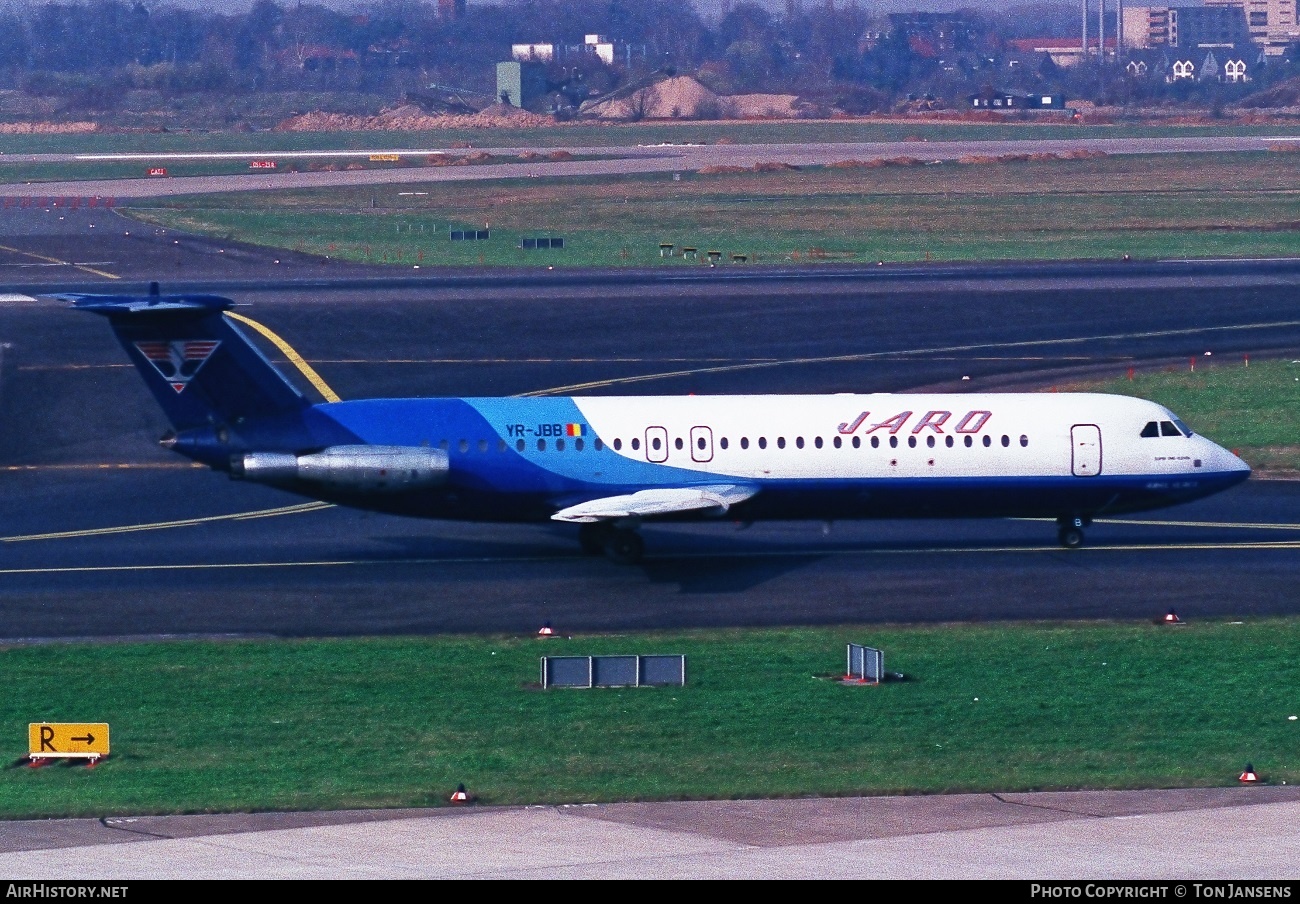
x=578, y=444
x=1024, y=440
x=893, y=442
x=744, y=442
x=701, y=444
x=541, y=445
x=929, y=441
x=969, y=442
x=519, y=445
x=780, y=442
x=559, y=445
x=1006, y=441
x=947, y=441
x=463, y=445
x=501, y=445
x=875, y=442
x=911, y=442
x=762, y=442
x=482, y=445
x=618, y=444
x=442, y=444
x=636, y=444
x=798, y=442
x=654, y=443
x=599, y=445
x=721, y=443
x=838, y=442
x=988, y=441
x=1167, y=428
x=678, y=443
x=1150, y=430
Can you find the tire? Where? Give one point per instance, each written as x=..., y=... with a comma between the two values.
x=593, y=538
x=625, y=547
x=1070, y=537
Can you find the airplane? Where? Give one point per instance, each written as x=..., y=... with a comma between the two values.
x=611, y=464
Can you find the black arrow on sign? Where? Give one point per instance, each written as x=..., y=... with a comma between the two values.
x=89, y=738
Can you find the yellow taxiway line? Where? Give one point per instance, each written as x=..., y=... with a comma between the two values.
x=288, y=351
x=55, y=260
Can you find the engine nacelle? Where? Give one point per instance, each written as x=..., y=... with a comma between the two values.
x=371, y=468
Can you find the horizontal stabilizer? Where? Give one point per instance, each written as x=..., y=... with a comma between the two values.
x=708, y=500
x=113, y=305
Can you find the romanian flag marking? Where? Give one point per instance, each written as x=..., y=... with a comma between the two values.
x=575, y=430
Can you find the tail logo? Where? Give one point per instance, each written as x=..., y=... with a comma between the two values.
x=178, y=360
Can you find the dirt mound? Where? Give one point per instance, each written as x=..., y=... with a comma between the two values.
x=410, y=118
x=47, y=128
x=1283, y=94
x=764, y=106
x=680, y=97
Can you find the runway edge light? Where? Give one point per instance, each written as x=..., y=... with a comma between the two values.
x=1171, y=618
x=546, y=630
x=1249, y=776
x=460, y=795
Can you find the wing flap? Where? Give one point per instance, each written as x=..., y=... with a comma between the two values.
x=706, y=500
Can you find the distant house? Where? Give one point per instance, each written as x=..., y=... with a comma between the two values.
x=1235, y=71
x=1182, y=69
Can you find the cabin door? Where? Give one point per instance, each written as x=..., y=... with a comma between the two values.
x=701, y=444
x=1086, y=450
x=656, y=444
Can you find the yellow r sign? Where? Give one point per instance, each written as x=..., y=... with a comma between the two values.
x=67, y=739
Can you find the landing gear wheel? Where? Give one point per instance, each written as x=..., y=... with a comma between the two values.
x=593, y=537
x=1070, y=537
x=624, y=547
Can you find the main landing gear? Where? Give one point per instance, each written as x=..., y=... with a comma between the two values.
x=1069, y=532
x=621, y=545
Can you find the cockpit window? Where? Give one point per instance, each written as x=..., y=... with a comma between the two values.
x=1165, y=428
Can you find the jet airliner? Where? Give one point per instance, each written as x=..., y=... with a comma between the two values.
x=610, y=464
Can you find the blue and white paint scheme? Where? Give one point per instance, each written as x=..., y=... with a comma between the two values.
x=609, y=464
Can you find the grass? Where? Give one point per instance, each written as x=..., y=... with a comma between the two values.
x=1145, y=206
x=1251, y=407
x=314, y=724
x=615, y=134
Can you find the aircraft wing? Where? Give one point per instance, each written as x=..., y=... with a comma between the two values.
x=707, y=500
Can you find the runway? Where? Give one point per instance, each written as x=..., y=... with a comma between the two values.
x=599, y=160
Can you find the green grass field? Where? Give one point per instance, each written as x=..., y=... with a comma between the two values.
x=616, y=134
x=1146, y=206
x=320, y=724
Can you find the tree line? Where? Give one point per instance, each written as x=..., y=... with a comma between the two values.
x=838, y=51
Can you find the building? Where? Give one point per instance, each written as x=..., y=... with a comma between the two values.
x=990, y=99
x=532, y=53
x=1220, y=25
x=1271, y=23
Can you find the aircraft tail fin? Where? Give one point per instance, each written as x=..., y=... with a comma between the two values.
x=199, y=366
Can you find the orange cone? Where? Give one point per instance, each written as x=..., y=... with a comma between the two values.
x=460, y=796
x=1249, y=775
